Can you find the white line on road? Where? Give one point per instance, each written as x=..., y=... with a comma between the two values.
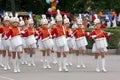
x=7, y=78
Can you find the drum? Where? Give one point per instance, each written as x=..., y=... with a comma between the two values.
x=48, y=43
x=101, y=43
x=16, y=41
x=6, y=43
x=81, y=42
x=61, y=41
x=0, y=37
x=71, y=42
x=31, y=40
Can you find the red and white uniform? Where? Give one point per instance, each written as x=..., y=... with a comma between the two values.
x=24, y=36
x=42, y=34
x=3, y=31
x=70, y=39
x=28, y=32
x=57, y=32
x=79, y=32
x=98, y=33
x=13, y=32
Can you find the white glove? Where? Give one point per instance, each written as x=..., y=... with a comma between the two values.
x=22, y=32
x=36, y=37
x=93, y=36
x=72, y=35
x=88, y=33
x=50, y=36
x=109, y=33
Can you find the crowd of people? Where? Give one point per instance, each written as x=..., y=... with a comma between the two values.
x=19, y=41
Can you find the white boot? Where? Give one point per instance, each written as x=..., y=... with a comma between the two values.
x=29, y=60
x=64, y=64
x=48, y=60
x=8, y=62
x=5, y=62
x=1, y=61
x=70, y=59
x=54, y=58
x=14, y=65
x=103, y=65
x=97, y=65
x=44, y=62
x=60, y=64
x=25, y=58
x=18, y=65
x=33, y=59
x=22, y=58
x=78, y=61
x=82, y=63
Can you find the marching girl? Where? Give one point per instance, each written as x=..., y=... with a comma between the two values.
x=45, y=42
x=31, y=42
x=70, y=41
x=61, y=42
x=79, y=33
x=23, y=35
x=54, y=49
x=97, y=34
x=16, y=43
x=5, y=43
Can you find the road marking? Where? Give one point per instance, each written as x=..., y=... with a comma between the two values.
x=7, y=78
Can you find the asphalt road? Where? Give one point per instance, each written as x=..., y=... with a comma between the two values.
x=38, y=73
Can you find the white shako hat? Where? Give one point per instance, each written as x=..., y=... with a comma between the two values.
x=52, y=21
x=16, y=19
x=22, y=21
x=6, y=17
x=96, y=21
x=30, y=20
x=66, y=20
x=44, y=20
x=58, y=16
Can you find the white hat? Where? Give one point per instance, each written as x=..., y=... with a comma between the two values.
x=80, y=16
x=79, y=21
x=16, y=19
x=21, y=22
x=30, y=21
x=11, y=19
x=66, y=20
x=44, y=20
x=6, y=18
x=96, y=21
x=52, y=21
x=58, y=16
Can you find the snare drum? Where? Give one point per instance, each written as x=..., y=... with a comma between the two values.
x=16, y=41
x=81, y=42
x=48, y=43
x=61, y=41
x=6, y=43
x=31, y=40
x=71, y=42
x=101, y=43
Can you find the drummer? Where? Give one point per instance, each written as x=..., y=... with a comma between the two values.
x=31, y=47
x=68, y=33
x=23, y=35
x=5, y=47
x=59, y=32
x=16, y=51
x=96, y=34
x=78, y=33
x=54, y=49
x=44, y=34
